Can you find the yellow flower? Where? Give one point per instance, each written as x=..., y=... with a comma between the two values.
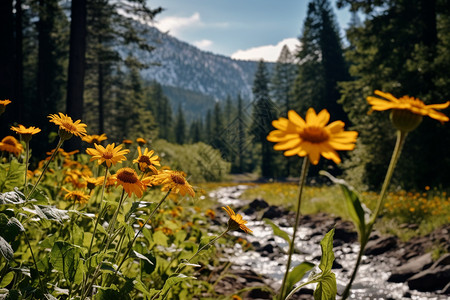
x=210, y=213
x=3, y=104
x=128, y=179
x=127, y=142
x=236, y=221
x=26, y=133
x=91, y=182
x=175, y=181
x=11, y=145
x=141, y=141
x=94, y=139
x=407, y=103
x=146, y=161
x=312, y=137
x=110, y=155
x=67, y=127
x=110, y=181
x=77, y=196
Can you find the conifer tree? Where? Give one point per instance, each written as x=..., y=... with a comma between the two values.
x=180, y=127
x=262, y=116
x=283, y=79
x=321, y=62
x=159, y=104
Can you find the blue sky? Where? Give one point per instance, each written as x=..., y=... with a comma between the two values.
x=243, y=29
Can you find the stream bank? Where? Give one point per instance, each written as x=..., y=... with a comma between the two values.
x=382, y=274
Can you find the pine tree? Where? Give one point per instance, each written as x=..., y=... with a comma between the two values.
x=160, y=106
x=321, y=60
x=403, y=50
x=180, y=127
x=262, y=116
x=283, y=79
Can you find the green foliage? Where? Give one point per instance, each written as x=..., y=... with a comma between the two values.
x=65, y=258
x=278, y=232
x=11, y=175
x=296, y=274
x=200, y=161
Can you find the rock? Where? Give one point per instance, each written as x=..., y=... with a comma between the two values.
x=444, y=260
x=336, y=265
x=257, y=293
x=380, y=245
x=273, y=212
x=258, y=204
x=413, y=266
x=446, y=289
x=345, y=232
x=432, y=279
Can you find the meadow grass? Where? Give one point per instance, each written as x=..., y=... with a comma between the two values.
x=428, y=210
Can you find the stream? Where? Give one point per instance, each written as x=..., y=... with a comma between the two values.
x=370, y=283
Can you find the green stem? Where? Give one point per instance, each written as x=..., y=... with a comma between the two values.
x=401, y=137
x=27, y=153
x=45, y=168
x=100, y=214
x=130, y=245
x=34, y=261
x=297, y=220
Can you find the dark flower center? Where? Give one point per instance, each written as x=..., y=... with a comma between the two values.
x=107, y=155
x=178, y=179
x=314, y=134
x=144, y=159
x=127, y=176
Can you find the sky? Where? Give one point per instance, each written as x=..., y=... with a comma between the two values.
x=241, y=29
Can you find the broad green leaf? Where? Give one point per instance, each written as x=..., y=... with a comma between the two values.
x=7, y=279
x=326, y=245
x=65, y=258
x=326, y=288
x=14, y=197
x=11, y=175
x=160, y=238
x=149, y=268
x=296, y=274
x=142, y=288
x=5, y=249
x=172, y=280
x=110, y=293
x=51, y=213
x=353, y=204
x=10, y=227
x=77, y=235
x=278, y=232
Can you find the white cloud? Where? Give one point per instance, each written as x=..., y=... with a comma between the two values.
x=203, y=44
x=267, y=52
x=176, y=24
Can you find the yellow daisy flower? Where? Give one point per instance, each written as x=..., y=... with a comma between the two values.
x=236, y=221
x=406, y=112
x=110, y=155
x=146, y=161
x=3, y=104
x=11, y=145
x=175, y=181
x=94, y=138
x=26, y=133
x=127, y=142
x=416, y=106
x=128, y=179
x=312, y=136
x=76, y=196
x=141, y=141
x=68, y=126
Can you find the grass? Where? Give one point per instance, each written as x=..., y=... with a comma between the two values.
x=429, y=209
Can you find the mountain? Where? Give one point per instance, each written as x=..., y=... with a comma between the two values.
x=174, y=63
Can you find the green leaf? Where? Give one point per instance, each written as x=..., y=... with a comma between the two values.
x=296, y=274
x=141, y=287
x=326, y=245
x=205, y=241
x=149, y=268
x=278, y=232
x=326, y=288
x=11, y=175
x=5, y=249
x=51, y=213
x=10, y=228
x=7, y=279
x=14, y=197
x=110, y=293
x=172, y=280
x=65, y=258
x=141, y=257
x=160, y=238
x=353, y=204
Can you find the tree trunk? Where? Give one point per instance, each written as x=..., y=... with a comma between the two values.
x=77, y=57
x=18, y=80
x=7, y=63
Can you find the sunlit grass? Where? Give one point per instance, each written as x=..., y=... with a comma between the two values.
x=428, y=210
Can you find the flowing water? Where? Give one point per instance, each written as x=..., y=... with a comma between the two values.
x=370, y=283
